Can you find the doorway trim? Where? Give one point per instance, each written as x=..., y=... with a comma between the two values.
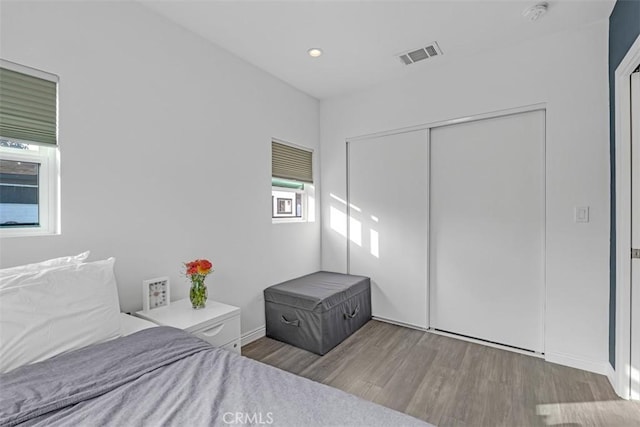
x=620, y=377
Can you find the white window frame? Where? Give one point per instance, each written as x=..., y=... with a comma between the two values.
x=308, y=192
x=48, y=186
x=305, y=203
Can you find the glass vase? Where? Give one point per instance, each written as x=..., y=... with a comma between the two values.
x=198, y=294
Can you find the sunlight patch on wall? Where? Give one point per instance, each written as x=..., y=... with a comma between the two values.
x=635, y=382
x=344, y=202
x=334, y=197
x=311, y=209
x=355, y=229
x=373, y=238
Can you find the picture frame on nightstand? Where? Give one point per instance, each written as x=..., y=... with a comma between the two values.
x=155, y=293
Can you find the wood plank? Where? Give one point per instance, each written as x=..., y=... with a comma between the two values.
x=450, y=382
x=398, y=391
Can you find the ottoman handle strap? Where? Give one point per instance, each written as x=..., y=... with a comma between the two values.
x=353, y=314
x=290, y=322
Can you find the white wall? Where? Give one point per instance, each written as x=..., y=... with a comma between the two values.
x=566, y=71
x=165, y=144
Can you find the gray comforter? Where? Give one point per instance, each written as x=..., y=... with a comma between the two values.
x=164, y=376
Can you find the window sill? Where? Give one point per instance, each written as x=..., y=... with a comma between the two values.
x=26, y=232
x=288, y=220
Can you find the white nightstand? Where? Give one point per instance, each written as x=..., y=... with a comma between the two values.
x=217, y=323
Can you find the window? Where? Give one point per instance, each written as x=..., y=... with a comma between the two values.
x=19, y=182
x=286, y=201
x=292, y=190
x=28, y=151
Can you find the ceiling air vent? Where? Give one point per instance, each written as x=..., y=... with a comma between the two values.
x=414, y=56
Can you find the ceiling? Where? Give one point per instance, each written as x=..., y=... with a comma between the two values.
x=361, y=38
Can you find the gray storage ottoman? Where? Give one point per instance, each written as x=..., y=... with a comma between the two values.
x=318, y=311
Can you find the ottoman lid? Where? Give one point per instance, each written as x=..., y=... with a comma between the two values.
x=318, y=291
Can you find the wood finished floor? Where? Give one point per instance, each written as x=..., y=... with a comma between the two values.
x=449, y=382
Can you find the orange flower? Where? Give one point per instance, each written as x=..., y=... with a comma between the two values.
x=200, y=267
x=204, y=266
x=192, y=267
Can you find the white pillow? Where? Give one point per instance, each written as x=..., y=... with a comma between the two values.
x=46, y=313
x=55, y=262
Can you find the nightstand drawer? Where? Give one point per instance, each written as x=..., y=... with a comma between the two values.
x=217, y=323
x=220, y=333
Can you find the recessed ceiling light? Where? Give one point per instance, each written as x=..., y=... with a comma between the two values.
x=314, y=52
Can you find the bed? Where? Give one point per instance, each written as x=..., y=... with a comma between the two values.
x=146, y=375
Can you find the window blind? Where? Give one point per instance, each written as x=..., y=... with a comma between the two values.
x=28, y=108
x=289, y=162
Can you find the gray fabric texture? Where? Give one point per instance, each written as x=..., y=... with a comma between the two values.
x=320, y=291
x=166, y=377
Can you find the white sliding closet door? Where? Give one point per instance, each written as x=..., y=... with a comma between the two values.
x=388, y=226
x=487, y=229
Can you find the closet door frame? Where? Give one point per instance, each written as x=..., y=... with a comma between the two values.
x=427, y=128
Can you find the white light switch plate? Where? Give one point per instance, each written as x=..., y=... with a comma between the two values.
x=581, y=214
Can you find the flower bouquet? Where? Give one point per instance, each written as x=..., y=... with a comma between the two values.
x=197, y=271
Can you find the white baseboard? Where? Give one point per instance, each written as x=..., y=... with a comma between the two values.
x=601, y=368
x=251, y=336
x=393, y=322
x=622, y=390
x=613, y=378
x=486, y=343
